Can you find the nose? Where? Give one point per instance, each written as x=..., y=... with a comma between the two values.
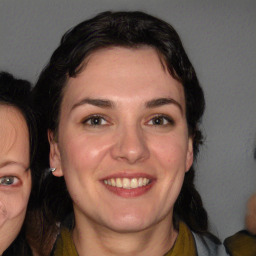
x=130, y=145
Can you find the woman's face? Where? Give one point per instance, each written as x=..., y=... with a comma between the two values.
x=123, y=144
x=15, y=179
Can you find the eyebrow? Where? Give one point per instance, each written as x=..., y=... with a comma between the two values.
x=95, y=102
x=102, y=103
x=163, y=101
x=4, y=164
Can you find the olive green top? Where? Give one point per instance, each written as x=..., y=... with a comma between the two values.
x=184, y=244
x=241, y=244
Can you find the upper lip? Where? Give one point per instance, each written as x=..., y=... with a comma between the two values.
x=129, y=175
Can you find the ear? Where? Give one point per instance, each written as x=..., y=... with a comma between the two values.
x=190, y=154
x=54, y=156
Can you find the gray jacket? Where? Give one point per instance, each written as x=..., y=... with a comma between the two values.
x=206, y=247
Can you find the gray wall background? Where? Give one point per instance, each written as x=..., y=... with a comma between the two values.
x=220, y=39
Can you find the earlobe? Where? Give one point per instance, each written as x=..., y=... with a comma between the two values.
x=54, y=156
x=190, y=154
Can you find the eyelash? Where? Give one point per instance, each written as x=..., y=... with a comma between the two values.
x=10, y=180
x=94, y=117
x=165, y=120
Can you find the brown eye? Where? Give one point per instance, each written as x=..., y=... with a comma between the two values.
x=158, y=121
x=95, y=121
x=161, y=120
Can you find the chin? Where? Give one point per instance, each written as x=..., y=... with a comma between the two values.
x=128, y=223
x=127, y=227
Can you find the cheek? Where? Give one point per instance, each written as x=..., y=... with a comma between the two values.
x=83, y=152
x=170, y=157
x=171, y=152
x=13, y=207
x=3, y=214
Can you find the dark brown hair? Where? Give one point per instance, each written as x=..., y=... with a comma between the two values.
x=16, y=93
x=125, y=29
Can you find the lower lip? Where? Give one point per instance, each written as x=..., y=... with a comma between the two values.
x=128, y=193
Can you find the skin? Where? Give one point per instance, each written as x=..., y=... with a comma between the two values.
x=126, y=141
x=14, y=163
x=250, y=220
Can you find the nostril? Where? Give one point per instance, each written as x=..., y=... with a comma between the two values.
x=130, y=145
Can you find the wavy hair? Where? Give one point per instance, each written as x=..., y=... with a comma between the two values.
x=131, y=30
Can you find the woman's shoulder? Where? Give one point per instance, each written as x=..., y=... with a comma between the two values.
x=242, y=243
x=206, y=246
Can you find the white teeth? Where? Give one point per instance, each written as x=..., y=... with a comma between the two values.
x=113, y=182
x=118, y=183
x=127, y=183
x=140, y=182
x=134, y=183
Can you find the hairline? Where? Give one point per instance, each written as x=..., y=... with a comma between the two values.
x=82, y=66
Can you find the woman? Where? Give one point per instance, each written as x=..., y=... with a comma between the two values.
x=122, y=104
x=250, y=219
x=243, y=243
x=17, y=140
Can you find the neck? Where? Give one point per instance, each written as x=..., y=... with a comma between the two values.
x=156, y=240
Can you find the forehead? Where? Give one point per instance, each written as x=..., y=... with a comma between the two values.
x=14, y=135
x=126, y=73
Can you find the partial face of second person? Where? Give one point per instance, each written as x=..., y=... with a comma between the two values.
x=123, y=144
x=15, y=176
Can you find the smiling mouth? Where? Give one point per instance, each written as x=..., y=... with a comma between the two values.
x=127, y=183
x=129, y=187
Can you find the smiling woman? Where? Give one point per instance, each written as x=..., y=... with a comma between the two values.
x=121, y=103
x=17, y=139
